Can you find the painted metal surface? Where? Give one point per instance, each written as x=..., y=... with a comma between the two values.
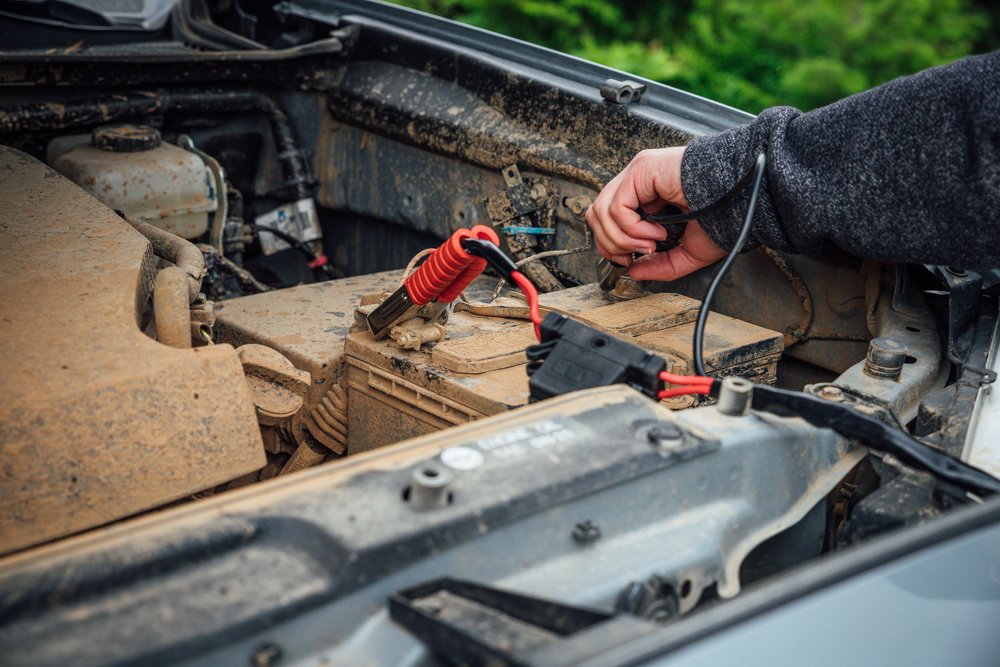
x=938, y=606
x=982, y=444
x=301, y=562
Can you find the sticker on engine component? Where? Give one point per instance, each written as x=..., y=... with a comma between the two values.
x=545, y=436
x=297, y=219
x=462, y=458
x=528, y=230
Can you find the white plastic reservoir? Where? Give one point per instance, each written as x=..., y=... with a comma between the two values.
x=131, y=169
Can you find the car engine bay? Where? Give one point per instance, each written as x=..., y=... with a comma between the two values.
x=203, y=440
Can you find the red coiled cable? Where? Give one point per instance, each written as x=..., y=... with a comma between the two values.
x=449, y=269
x=440, y=270
x=465, y=278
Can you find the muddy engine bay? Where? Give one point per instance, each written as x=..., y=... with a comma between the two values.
x=161, y=256
x=192, y=242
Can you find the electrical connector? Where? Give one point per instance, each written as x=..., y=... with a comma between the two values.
x=575, y=356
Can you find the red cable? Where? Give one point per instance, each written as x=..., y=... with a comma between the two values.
x=440, y=270
x=696, y=380
x=683, y=391
x=688, y=384
x=472, y=271
x=531, y=294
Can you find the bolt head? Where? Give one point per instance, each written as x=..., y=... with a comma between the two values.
x=832, y=393
x=885, y=358
x=666, y=433
x=586, y=532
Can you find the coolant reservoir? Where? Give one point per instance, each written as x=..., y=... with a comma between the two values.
x=131, y=169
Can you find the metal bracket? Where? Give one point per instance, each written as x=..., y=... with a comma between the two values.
x=964, y=288
x=514, y=202
x=478, y=625
x=985, y=376
x=861, y=401
x=518, y=207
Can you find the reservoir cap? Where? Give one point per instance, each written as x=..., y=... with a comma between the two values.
x=126, y=138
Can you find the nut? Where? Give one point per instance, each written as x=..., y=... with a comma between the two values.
x=577, y=205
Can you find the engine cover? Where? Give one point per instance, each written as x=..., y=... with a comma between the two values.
x=97, y=420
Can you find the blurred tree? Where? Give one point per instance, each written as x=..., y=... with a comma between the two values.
x=750, y=54
x=559, y=24
x=809, y=54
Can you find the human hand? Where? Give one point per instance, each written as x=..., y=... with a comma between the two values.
x=650, y=181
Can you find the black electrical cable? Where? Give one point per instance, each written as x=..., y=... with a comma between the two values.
x=821, y=413
x=493, y=255
x=675, y=215
x=876, y=434
x=706, y=303
x=300, y=247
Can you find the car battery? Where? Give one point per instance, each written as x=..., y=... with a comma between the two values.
x=307, y=324
x=479, y=369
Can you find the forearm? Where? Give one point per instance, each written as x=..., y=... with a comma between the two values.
x=908, y=171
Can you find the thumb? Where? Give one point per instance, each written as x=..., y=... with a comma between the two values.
x=676, y=263
x=696, y=251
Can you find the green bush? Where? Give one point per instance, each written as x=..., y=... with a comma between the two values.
x=751, y=55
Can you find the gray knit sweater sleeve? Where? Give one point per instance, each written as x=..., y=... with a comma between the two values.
x=908, y=171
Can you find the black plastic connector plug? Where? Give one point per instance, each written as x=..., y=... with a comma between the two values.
x=493, y=255
x=575, y=356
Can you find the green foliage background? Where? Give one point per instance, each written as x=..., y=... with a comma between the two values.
x=749, y=54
